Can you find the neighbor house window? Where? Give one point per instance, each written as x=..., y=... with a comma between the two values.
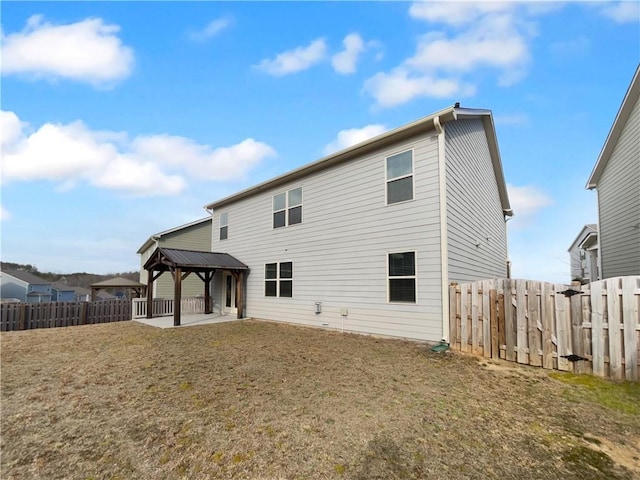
x=287, y=208
x=402, y=277
x=224, y=226
x=278, y=279
x=400, y=177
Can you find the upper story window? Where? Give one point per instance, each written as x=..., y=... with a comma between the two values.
x=400, y=177
x=402, y=277
x=287, y=208
x=224, y=226
x=278, y=279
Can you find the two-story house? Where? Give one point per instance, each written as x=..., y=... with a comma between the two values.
x=583, y=255
x=368, y=239
x=616, y=178
x=24, y=286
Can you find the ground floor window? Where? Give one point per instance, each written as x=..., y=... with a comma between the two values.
x=278, y=279
x=402, y=277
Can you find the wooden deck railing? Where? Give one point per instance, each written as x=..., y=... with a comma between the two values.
x=164, y=306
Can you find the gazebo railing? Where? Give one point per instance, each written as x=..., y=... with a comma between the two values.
x=164, y=306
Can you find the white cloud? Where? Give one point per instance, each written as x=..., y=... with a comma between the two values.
x=149, y=165
x=203, y=161
x=620, y=12
x=488, y=36
x=454, y=12
x=353, y=136
x=87, y=51
x=345, y=61
x=526, y=201
x=212, y=29
x=295, y=60
x=4, y=214
x=401, y=86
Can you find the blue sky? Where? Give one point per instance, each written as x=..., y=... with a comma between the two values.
x=122, y=119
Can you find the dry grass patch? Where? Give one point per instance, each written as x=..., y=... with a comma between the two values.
x=268, y=401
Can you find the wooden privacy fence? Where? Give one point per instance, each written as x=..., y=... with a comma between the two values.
x=25, y=316
x=592, y=328
x=164, y=306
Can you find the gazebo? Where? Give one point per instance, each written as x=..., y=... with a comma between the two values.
x=137, y=288
x=182, y=263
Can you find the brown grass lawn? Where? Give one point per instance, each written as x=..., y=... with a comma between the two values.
x=269, y=401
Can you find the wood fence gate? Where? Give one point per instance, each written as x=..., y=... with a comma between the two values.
x=592, y=328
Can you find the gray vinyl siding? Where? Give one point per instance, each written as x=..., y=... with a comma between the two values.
x=196, y=237
x=474, y=212
x=619, y=203
x=339, y=252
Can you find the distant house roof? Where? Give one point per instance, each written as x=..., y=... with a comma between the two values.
x=419, y=126
x=588, y=231
x=117, y=282
x=157, y=236
x=630, y=99
x=165, y=258
x=87, y=293
x=27, y=277
x=61, y=287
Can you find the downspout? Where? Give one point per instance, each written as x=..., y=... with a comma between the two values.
x=444, y=250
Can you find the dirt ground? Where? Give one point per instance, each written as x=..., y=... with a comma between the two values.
x=260, y=400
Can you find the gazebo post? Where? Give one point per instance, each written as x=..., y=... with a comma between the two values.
x=240, y=293
x=208, y=276
x=177, y=296
x=150, y=294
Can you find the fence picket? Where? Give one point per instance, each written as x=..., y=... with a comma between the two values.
x=613, y=317
x=534, y=324
x=509, y=324
x=563, y=328
x=631, y=322
x=475, y=327
x=486, y=318
x=521, y=322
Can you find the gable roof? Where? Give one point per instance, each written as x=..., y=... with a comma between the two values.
x=587, y=231
x=165, y=258
x=116, y=282
x=27, y=277
x=157, y=236
x=419, y=126
x=61, y=287
x=630, y=99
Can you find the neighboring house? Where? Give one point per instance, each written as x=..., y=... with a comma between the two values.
x=368, y=239
x=84, y=295
x=616, y=177
x=24, y=286
x=192, y=236
x=583, y=254
x=62, y=293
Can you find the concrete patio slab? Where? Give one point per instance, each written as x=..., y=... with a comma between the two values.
x=187, y=320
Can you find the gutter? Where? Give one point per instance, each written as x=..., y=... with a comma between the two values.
x=444, y=250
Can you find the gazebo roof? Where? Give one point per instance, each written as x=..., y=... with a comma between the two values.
x=118, y=282
x=164, y=259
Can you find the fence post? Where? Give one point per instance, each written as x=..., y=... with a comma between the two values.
x=22, y=319
x=575, y=308
x=493, y=307
x=83, y=313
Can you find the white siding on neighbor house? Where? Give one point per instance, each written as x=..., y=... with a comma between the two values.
x=195, y=237
x=619, y=204
x=476, y=230
x=339, y=251
x=11, y=287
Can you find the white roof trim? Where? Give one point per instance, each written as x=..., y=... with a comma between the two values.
x=630, y=99
x=406, y=131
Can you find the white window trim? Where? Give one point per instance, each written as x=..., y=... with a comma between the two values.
x=278, y=279
x=412, y=174
x=225, y=225
x=414, y=276
x=286, y=208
